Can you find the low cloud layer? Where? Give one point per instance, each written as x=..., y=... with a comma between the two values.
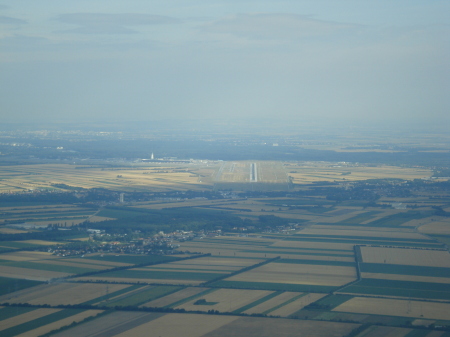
x=103, y=23
x=6, y=20
x=274, y=26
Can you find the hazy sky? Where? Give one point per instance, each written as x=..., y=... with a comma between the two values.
x=137, y=60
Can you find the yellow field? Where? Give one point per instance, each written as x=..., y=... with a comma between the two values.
x=227, y=299
x=28, y=256
x=298, y=274
x=139, y=280
x=411, y=257
x=30, y=274
x=298, y=304
x=320, y=245
x=144, y=177
x=357, y=232
x=63, y=293
x=392, y=307
x=172, y=298
x=270, y=327
x=309, y=172
x=41, y=242
x=382, y=231
x=58, y=324
x=176, y=325
x=64, y=262
x=4, y=230
x=219, y=261
x=98, y=262
x=387, y=331
x=436, y=227
x=23, y=318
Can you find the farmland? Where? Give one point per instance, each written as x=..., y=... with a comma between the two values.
x=299, y=256
x=392, y=307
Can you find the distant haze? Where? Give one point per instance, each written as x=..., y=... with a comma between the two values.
x=322, y=60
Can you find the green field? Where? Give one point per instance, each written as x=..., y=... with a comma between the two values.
x=272, y=286
x=133, y=259
x=439, y=291
x=8, y=285
x=48, y=267
x=317, y=262
x=404, y=269
x=162, y=275
x=332, y=301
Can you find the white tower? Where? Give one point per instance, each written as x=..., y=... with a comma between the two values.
x=152, y=156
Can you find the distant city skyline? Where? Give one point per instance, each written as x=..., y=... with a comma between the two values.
x=93, y=61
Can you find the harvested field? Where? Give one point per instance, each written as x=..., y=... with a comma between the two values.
x=399, y=277
x=110, y=324
x=68, y=263
x=41, y=242
x=175, y=325
x=394, y=307
x=97, y=262
x=270, y=327
x=26, y=317
x=298, y=274
x=385, y=331
x=227, y=300
x=349, y=232
x=30, y=274
x=58, y=324
x=436, y=227
x=174, y=297
x=5, y=230
x=410, y=257
x=297, y=305
x=62, y=293
x=320, y=245
x=210, y=263
x=139, y=280
x=27, y=256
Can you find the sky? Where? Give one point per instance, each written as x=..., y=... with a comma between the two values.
x=139, y=60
